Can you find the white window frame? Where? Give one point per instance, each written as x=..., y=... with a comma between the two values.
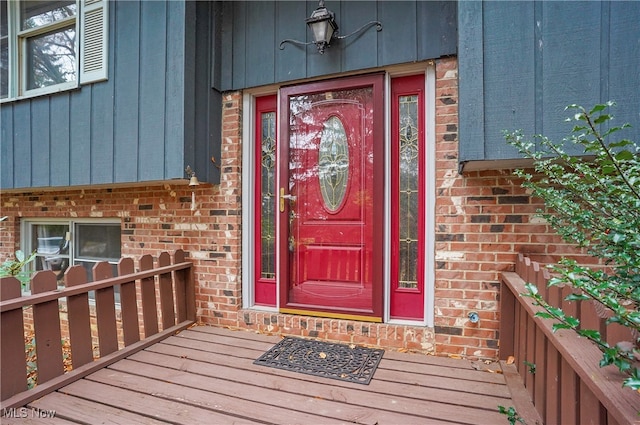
x=26, y=232
x=91, y=48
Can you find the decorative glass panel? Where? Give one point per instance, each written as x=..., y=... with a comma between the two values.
x=268, y=196
x=333, y=163
x=408, y=192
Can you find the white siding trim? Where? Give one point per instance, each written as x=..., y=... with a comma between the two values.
x=248, y=206
x=430, y=207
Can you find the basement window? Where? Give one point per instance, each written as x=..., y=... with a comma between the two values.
x=61, y=244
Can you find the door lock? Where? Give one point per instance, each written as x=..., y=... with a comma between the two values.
x=283, y=197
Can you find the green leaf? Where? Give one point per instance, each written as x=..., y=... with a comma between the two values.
x=557, y=326
x=590, y=333
x=577, y=297
x=602, y=118
x=544, y=315
x=597, y=108
x=624, y=156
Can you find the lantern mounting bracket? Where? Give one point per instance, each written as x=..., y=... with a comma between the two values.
x=323, y=25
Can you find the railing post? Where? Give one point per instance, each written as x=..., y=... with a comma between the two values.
x=507, y=322
x=185, y=279
x=165, y=285
x=12, y=351
x=180, y=285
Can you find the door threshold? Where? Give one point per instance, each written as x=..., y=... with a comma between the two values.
x=330, y=315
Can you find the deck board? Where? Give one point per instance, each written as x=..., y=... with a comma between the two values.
x=206, y=375
x=68, y=406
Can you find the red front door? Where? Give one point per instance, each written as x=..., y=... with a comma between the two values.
x=330, y=198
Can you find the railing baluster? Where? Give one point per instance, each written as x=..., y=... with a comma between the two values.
x=552, y=393
x=105, y=311
x=128, y=304
x=12, y=351
x=530, y=355
x=568, y=394
x=148, y=295
x=591, y=411
x=166, y=293
x=46, y=325
x=79, y=318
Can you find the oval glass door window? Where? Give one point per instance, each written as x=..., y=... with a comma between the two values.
x=333, y=162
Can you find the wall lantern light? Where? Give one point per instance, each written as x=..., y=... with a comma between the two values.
x=324, y=28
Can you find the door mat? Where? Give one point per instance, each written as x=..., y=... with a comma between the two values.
x=345, y=362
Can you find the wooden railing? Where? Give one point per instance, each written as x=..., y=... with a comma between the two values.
x=176, y=311
x=559, y=369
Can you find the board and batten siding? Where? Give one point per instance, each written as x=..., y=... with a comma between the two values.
x=522, y=63
x=252, y=32
x=149, y=119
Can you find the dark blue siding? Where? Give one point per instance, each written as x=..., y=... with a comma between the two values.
x=60, y=141
x=399, y=41
x=22, y=151
x=503, y=25
x=412, y=31
x=6, y=147
x=471, y=80
x=624, y=63
x=152, y=90
x=522, y=63
x=358, y=52
x=286, y=12
x=102, y=157
x=127, y=40
x=152, y=117
x=571, y=70
x=40, y=142
x=177, y=89
x=261, y=62
x=80, y=137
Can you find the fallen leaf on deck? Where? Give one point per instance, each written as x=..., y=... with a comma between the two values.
x=511, y=360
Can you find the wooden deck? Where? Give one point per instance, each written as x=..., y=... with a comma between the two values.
x=206, y=375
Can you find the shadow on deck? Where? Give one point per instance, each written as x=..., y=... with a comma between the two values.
x=206, y=375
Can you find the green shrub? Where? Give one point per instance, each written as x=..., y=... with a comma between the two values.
x=593, y=201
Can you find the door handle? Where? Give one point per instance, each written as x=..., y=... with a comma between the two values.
x=283, y=197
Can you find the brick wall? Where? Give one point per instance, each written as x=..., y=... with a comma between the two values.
x=483, y=219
